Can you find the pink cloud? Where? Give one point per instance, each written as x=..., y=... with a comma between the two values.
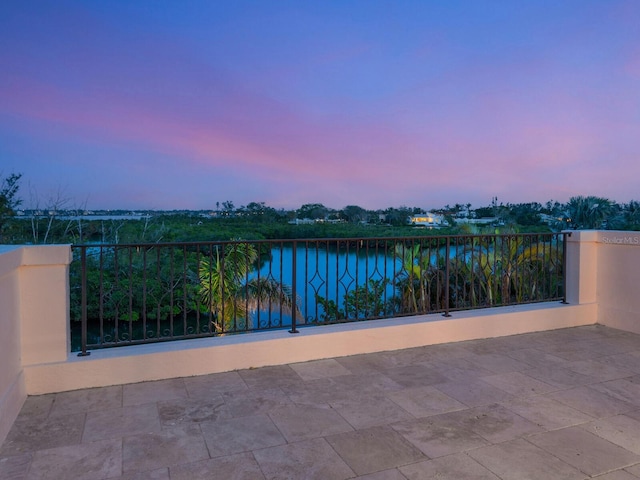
x=520, y=126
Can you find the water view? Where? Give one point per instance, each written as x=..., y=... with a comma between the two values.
x=329, y=273
x=194, y=289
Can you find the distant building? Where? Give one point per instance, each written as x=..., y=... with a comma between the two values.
x=301, y=221
x=479, y=221
x=309, y=221
x=427, y=220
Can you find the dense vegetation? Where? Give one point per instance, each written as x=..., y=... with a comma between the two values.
x=56, y=224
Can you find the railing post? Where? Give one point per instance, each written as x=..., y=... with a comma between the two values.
x=83, y=302
x=294, y=293
x=565, y=235
x=447, y=278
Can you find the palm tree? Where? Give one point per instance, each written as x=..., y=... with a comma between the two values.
x=516, y=265
x=483, y=270
x=589, y=212
x=420, y=282
x=232, y=293
x=632, y=214
x=411, y=277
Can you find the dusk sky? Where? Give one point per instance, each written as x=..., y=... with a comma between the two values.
x=182, y=104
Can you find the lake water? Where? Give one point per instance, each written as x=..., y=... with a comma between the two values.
x=329, y=273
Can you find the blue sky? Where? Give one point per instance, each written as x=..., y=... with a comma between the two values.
x=184, y=104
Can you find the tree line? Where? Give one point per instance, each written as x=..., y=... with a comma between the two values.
x=57, y=222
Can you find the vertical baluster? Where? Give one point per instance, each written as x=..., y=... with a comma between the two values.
x=294, y=290
x=83, y=302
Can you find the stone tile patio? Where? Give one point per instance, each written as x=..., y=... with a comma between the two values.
x=561, y=404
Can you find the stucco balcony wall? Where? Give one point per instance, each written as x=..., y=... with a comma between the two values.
x=618, y=280
x=603, y=267
x=34, y=326
x=12, y=387
x=602, y=287
x=221, y=354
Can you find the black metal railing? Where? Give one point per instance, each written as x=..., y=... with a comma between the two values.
x=123, y=294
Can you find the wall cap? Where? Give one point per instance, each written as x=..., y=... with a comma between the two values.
x=13, y=257
x=576, y=236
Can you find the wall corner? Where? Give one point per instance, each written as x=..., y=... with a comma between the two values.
x=581, y=266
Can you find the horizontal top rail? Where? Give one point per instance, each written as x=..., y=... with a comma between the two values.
x=323, y=240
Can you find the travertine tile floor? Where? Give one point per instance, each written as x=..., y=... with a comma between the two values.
x=561, y=404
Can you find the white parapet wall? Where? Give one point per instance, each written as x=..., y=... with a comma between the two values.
x=226, y=353
x=603, y=267
x=602, y=275
x=12, y=386
x=34, y=318
x=618, y=279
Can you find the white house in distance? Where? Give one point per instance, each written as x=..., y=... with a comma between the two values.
x=427, y=220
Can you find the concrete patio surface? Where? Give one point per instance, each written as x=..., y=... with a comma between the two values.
x=561, y=404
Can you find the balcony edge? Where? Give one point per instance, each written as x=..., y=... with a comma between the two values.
x=185, y=358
